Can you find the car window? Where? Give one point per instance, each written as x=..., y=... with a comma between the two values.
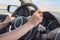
x=51, y=5
x=44, y=5
x=5, y=3
x=10, y=2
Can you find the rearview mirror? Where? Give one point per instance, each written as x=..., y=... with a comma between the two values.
x=11, y=8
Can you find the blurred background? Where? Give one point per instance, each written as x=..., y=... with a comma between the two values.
x=44, y=5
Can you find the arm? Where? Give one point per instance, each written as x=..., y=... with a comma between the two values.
x=5, y=23
x=2, y=25
x=19, y=32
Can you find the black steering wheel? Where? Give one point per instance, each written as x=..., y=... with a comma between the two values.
x=24, y=11
x=22, y=17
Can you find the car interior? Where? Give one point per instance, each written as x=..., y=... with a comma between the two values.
x=50, y=24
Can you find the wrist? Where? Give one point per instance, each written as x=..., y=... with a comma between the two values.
x=5, y=23
x=31, y=24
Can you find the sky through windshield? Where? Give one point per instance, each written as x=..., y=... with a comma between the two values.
x=44, y=4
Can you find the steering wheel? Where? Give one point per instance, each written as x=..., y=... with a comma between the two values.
x=24, y=11
x=21, y=19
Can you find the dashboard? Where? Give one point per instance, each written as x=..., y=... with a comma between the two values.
x=49, y=22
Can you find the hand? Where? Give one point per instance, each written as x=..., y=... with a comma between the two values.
x=9, y=18
x=36, y=18
x=10, y=15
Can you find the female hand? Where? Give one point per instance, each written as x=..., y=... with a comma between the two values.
x=9, y=18
x=36, y=18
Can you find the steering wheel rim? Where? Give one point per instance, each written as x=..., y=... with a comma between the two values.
x=24, y=6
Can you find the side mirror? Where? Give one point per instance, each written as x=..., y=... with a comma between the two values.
x=11, y=8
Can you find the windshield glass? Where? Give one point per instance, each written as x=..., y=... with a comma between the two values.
x=48, y=4
x=5, y=3
x=44, y=5
x=10, y=2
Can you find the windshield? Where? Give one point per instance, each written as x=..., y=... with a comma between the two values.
x=50, y=5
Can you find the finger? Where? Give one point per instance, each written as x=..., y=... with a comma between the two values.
x=41, y=14
x=39, y=11
x=41, y=19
